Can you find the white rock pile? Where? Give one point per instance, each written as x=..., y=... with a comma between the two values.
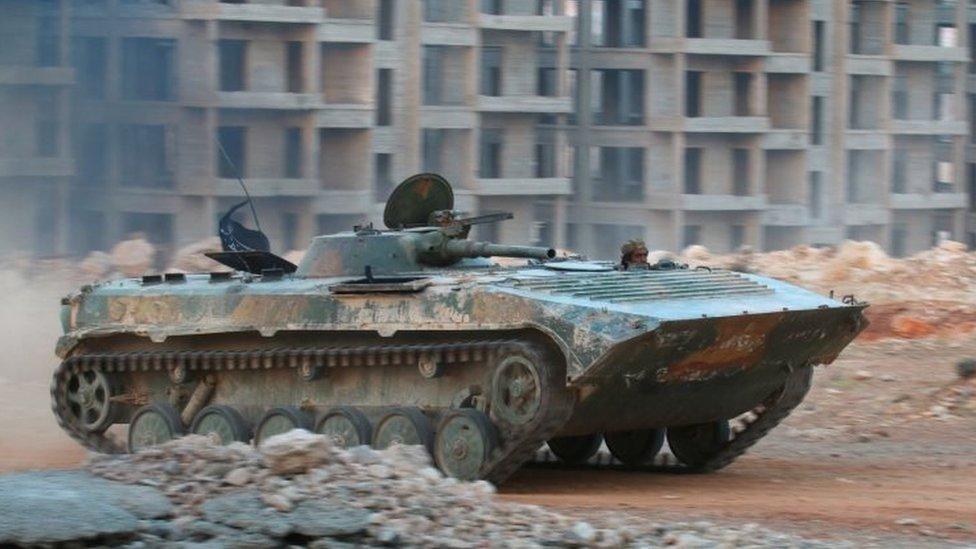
x=299, y=489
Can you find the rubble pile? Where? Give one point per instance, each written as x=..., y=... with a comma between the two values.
x=300, y=489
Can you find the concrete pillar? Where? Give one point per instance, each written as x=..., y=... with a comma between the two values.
x=760, y=20
x=409, y=80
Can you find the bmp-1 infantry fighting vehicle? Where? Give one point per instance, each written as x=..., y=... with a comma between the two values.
x=411, y=335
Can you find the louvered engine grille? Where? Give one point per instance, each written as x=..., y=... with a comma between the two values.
x=625, y=287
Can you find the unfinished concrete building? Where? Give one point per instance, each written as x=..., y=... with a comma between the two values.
x=766, y=123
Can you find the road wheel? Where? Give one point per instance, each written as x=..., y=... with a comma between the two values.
x=576, y=450
x=154, y=424
x=88, y=396
x=346, y=426
x=227, y=423
x=465, y=440
x=637, y=447
x=519, y=387
x=403, y=426
x=694, y=445
x=281, y=420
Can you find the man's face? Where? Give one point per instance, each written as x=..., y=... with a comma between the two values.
x=638, y=256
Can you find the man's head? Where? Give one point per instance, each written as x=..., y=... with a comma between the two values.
x=633, y=252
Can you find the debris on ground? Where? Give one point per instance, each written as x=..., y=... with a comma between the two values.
x=300, y=489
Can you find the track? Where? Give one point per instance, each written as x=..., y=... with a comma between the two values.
x=519, y=446
x=747, y=430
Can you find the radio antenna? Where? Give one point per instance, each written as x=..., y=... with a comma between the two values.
x=240, y=179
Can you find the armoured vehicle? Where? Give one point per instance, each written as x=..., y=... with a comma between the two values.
x=412, y=335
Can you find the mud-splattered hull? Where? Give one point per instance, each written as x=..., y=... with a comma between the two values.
x=695, y=371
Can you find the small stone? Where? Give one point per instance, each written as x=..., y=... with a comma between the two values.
x=238, y=477
x=364, y=455
x=584, y=532
x=278, y=502
x=296, y=451
x=172, y=467
x=907, y=521
x=388, y=536
x=863, y=375
x=888, y=378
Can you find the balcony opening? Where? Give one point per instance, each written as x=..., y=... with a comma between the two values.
x=432, y=150
x=148, y=69
x=743, y=86
x=899, y=97
x=91, y=154
x=902, y=12
x=617, y=173
x=693, y=93
x=492, y=143
x=48, y=42
x=899, y=239
x=818, y=45
x=692, y=235
x=294, y=155
x=744, y=17
x=384, y=97
x=443, y=66
x=972, y=48
x=89, y=57
x=289, y=230
x=545, y=160
x=864, y=110
x=693, y=159
x=972, y=187
x=232, y=162
x=693, y=18
x=899, y=171
x=617, y=23
x=444, y=11
x=233, y=64
x=47, y=125
x=544, y=214
x=491, y=71
x=382, y=176
x=295, y=67
x=864, y=169
x=946, y=36
x=867, y=27
x=386, y=19
x=617, y=97
x=942, y=227
x=816, y=195
x=145, y=156
x=816, y=121
x=737, y=237
x=944, y=176
x=740, y=172
x=493, y=7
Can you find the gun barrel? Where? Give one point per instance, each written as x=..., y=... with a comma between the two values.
x=467, y=248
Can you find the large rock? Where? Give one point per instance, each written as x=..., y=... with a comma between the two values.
x=57, y=507
x=296, y=451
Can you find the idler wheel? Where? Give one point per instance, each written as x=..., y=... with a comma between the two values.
x=465, y=440
x=518, y=388
x=154, y=424
x=281, y=420
x=403, y=426
x=222, y=420
x=88, y=396
x=346, y=426
x=694, y=445
x=576, y=450
x=637, y=447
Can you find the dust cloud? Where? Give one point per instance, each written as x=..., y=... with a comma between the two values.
x=29, y=327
